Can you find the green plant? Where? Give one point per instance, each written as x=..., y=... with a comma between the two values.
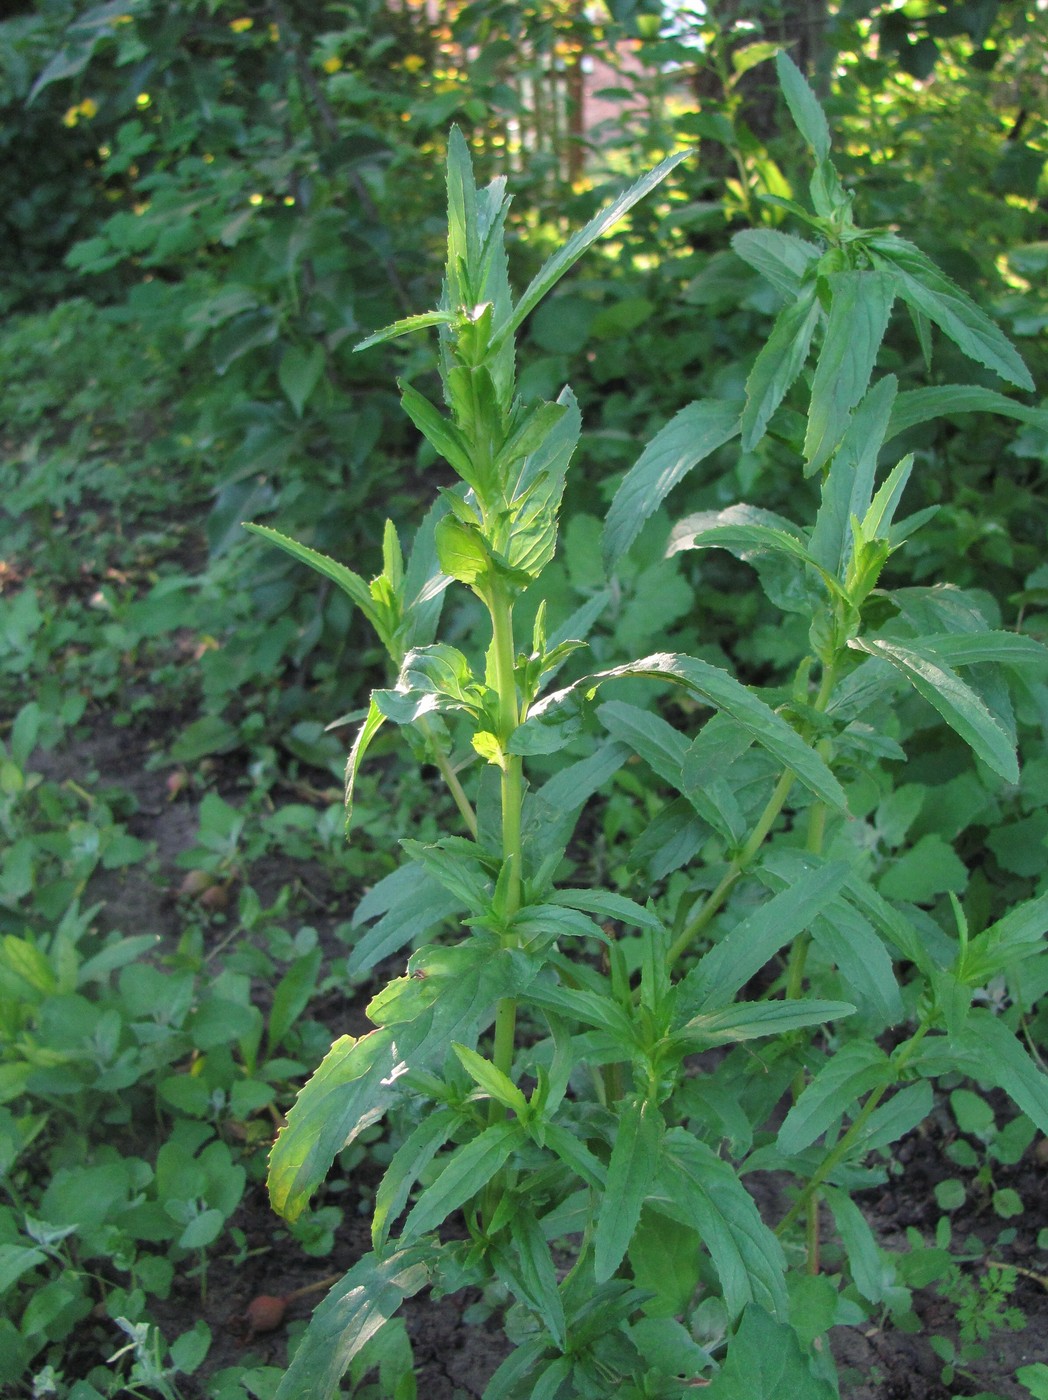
x=597, y=1151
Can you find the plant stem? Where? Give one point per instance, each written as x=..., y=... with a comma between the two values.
x=754, y=841
x=844, y=1145
x=512, y=798
x=457, y=791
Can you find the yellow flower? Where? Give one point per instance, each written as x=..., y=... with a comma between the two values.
x=332, y=65
x=239, y=25
x=413, y=63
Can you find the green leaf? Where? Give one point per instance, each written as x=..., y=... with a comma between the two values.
x=662, y=747
x=723, y=692
x=367, y=731
x=948, y=400
x=351, y=584
x=747, y=532
x=749, y=1020
x=291, y=995
x=848, y=487
x=747, y=57
x=575, y=1154
x=409, y=1161
x=441, y=434
x=555, y=267
x=491, y=1080
x=804, y=107
x=833, y=1093
x=872, y=1271
x=974, y=648
x=415, y=905
x=994, y=1056
x=778, y=364
x=534, y=1266
x=406, y=326
x=468, y=1170
x=1018, y=935
x=631, y=1172
x=781, y=257
x=698, y=1189
x=931, y=293
x=687, y=439
x=743, y=951
x=607, y=905
x=350, y=1090
x=876, y=523
x=299, y=374
x=765, y=1362
x=848, y=939
x=860, y=305
x=959, y=705
x=351, y=1314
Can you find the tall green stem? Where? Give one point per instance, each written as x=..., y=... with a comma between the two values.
x=512, y=798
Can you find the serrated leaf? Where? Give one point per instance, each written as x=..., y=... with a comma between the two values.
x=555, y=267
x=534, y=1266
x=662, y=747
x=860, y=306
x=778, y=364
x=747, y=532
x=417, y=905
x=685, y=441
x=351, y=1314
x=872, y=1272
x=703, y=1192
x=608, y=905
x=994, y=1056
x=350, y=1090
x=407, y=326
x=407, y=1165
x=780, y=257
x=723, y=692
x=747, y=947
x=849, y=940
x=468, y=1170
x=848, y=488
x=959, y=705
x=491, y=1080
x=440, y=433
x=1018, y=935
x=351, y=583
x=750, y=1020
x=367, y=731
x=833, y=1093
x=804, y=106
x=929, y=291
x=920, y=405
x=631, y=1172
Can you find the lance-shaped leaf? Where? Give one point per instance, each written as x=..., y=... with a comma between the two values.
x=848, y=939
x=662, y=747
x=746, y=948
x=607, y=905
x=351, y=583
x=959, y=705
x=720, y=690
x=491, y=1080
x=1017, y=936
x=991, y=1054
x=350, y=1090
x=765, y=1362
x=408, y=1163
x=698, y=1189
x=685, y=441
x=947, y=400
x=533, y=1266
x=921, y=284
x=833, y=1092
x=778, y=364
x=780, y=257
x=747, y=532
x=417, y=904
x=976, y=648
x=860, y=305
x=441, y=434
x=631, y=1174
x=367, y=731
x=468, y=1170
x=848, y=488
x=804, y=107
x=750, y=1020
x=872, y=1271
x=407, y=326
x=565, y=258
x=359, y=1304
